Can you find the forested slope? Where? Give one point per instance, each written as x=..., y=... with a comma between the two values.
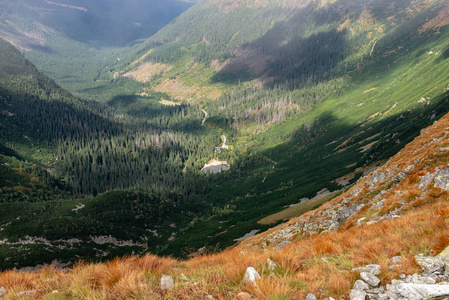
x=309, y=96
x=313, y=93
x=75, y=41
x=56, y=149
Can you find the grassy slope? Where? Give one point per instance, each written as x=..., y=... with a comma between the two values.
x=422, y=228
x=333, y=146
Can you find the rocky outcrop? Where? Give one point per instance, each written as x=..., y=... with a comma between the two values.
x=417, y=166
x=433, y=283
x=441, y=179
x=317, y=222
x=369, y=278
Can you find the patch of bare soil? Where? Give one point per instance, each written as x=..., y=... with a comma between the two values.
x=147, y=71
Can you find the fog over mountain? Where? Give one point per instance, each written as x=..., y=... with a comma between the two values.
x=74, y=41
x=98, y=23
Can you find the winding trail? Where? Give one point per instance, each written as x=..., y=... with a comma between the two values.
x=224, y=146
x=205, y=116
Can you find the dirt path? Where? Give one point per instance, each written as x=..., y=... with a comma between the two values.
x=224, y=146
x=205, y=116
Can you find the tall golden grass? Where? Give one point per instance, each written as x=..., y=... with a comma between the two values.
x=301, y=265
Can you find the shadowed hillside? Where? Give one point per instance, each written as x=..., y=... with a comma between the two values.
x=299, y=99
x=401, y=209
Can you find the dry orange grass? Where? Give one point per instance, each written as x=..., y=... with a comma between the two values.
x=301, y=267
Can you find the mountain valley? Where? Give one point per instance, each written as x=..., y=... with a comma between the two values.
x=327, y=119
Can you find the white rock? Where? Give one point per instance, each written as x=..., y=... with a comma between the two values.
x=421, y=291
x=360, y=285
x=27, y=293
x=383, y=297
x=428, y=280
x=370, y=278
x=167, y=282
x=374, y=269
x=244, y=296
x=357, y=295
x=3, y=292
x=392, y=295
x=430, y=264
x=310, y=296
x=394, y=267
x=251, y=275
x=396, y=259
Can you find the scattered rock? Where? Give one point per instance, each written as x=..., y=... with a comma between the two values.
x=441, y=179
x=167, y=282
x=271, y=265
x=348, y=212
x=209, y=297
x=422, y=291
x=429, y=280
x=399, y=177
x=360, y=285
x=445, y=257
x=373, y=269
x=357, y=295
x=378, y=290
x=244, y=296
x=3, y=292
x=251, y=275
x=27, y=293
x=426, y=179
x=430, y=264
x=311, y=296
x=396, y=259
x=370, y=278
x=183, y=277
x=394, y=267
x=432, y=284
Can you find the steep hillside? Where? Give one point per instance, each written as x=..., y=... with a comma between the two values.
x=217, y=44
x=335, y=89
x=397, y=211
x=57, y=151
x=292, y=141
x=73, y=41
x=95, y=23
